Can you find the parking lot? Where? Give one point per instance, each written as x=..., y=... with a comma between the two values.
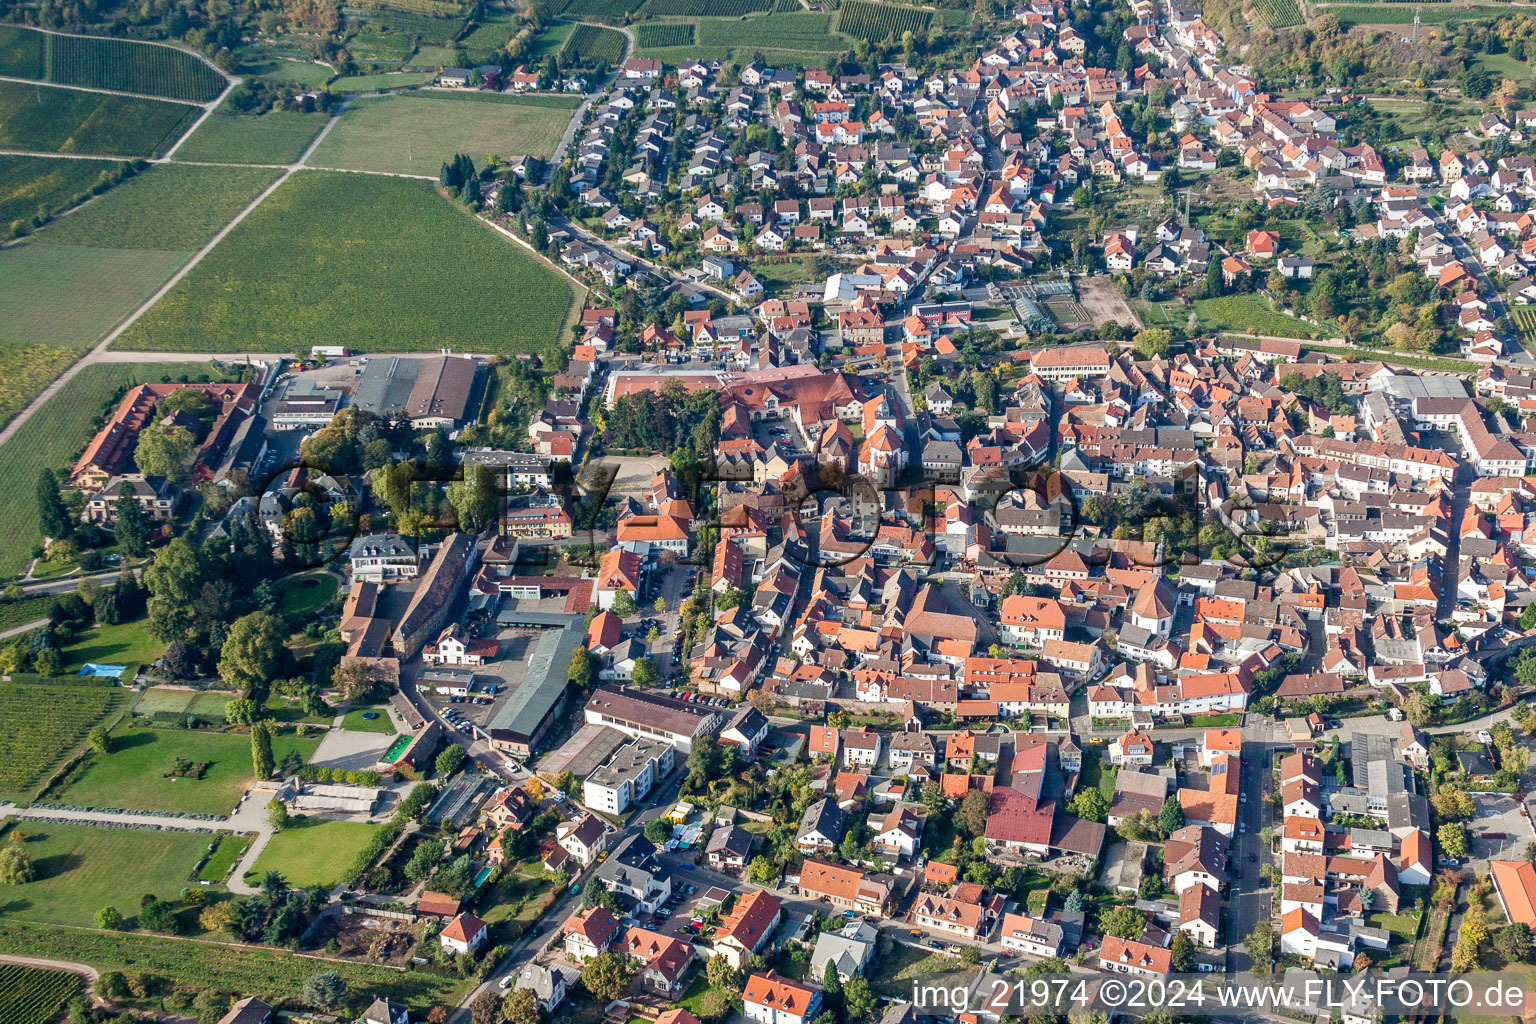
x=1498, y=830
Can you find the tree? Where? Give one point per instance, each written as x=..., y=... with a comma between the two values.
x=579, y=672
x=99, y=740
x=762, y=870
x=1260, y=944
x=1453, y=839
x=241, y=711
x=261, y=750
x=325, y=990
x=159, y=916
x=721, y=975
x=1171, y=817
x=109, y=919
x=1513, y=943
x=972, y=816
x=52, y=515
x=657, y=831
x=133, y=527
x=163, y=451
x=358, y=681
x=277, y=815
x=1089, y=804
x=1183, y=953
x=1152, y=343
x=624, y=604
x=607, y=976
x=646, y=673
x=449, y=759
x=475, y=498
x=251, y=653
x=521, y=1006
x=1124, y=921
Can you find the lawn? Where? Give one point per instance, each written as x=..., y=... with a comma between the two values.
x=170, y=206
x=42, y=186
x=1251, y=314
x=300, y=595
x=273, y=974
x=43, y=723
x=134, y=774
x=316, y=261
x=1213, y=721
x=127, y=643
x=276, y=137
x=380, y=723
x=81, y=868
x=52, y=438
x=314, y=851
x=224, y=857
x=1403, y=926
x=388, y=80
x=44, y=119
x=417, y=133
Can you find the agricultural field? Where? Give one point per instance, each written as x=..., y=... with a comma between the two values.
x=273, y=974
x=649, y=35
x=1402, y=13
x=490, y=34
x=55, y=435
x=589, y=44
x=21, y=52
x=45, y=119
x=316, y=260
x=550, y=41
x=380, y=83
x=70, y=295
x=1524, y=318
x=800, y=31
x=1280, y=13
x=42, y=724
x=430, y=30
x=149, y=69
x=39, y=186
x=168, y=207
x=30, y=995
x=135, y=774
x=877, y=22
x=706, y=8
x=82, y=868
x=276, y=137
x=614, y=10
x=419, y=132
x=314, y=851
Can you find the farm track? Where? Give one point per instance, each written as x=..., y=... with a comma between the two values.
x=113, y=92
x=89, y=974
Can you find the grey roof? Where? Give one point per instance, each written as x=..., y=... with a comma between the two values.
x=846, y=955
x=381, y=545
x=823, y=816
x=386, y=385
x=544, y=679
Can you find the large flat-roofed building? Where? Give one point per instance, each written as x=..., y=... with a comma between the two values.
x=443, y=395
x=386, y=385
x=629, y=777
x=526, y=715
x=435, y=594
x=641, y=714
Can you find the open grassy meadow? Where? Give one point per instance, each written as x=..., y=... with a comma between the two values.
x=42, y=724
x=276, y=137
x=44, y=119
x=318, y=260
x=417, y=133
x=127, y=643
x=314, y=851
x=134, y=774
x=169, y=206
x=40, y=185
x=55, y=435
x=82, y=868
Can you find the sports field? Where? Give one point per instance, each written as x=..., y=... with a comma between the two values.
x=44, y=119
x=42, y=723
x=314, y=851
x=376, y=264
x=53, y=436
x=417, y=133
x=134, y=774
x=276, y=137
x=40, y=185
x=82, y=868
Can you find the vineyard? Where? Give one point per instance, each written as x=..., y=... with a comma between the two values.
x=878, y=22
x=21, y=52
x=613, y=10
x=41, y=723
x=437, y=31
x=589, y=44
x=707, y=8
x=1525, y=321
x=1280, y=13
x=802, y=31
x=48, y=120
x=32, y=996
x=648, y=36
x=127, y=66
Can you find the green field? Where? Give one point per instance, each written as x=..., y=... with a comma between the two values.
x=43, y=723
x=417, y=133
x=650, y=35
x=71, y=295
x=42, y=186
x=169, y=206
x=133, y=775
x=1402, y=13
x=44, y=119
x=29, y=995
x=313, y=851
x=589, y=44
x=550, y=41
x=877, y=22
x=489, y=35
x=55, y=434
x=21, y=52
x=273, y=974
x=305, y=593
x=709, y=8
x=123, y=65
x=796, y=31
x=388, y=80
x=1280, y=13
x=429, y=29
x=224, y=857
x=168, y=702
x=316, y=260
x=81, y=868
x=380, y=723
x=614, y=10
x=1251, y=314
x=127, y=643
x=276, y=137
